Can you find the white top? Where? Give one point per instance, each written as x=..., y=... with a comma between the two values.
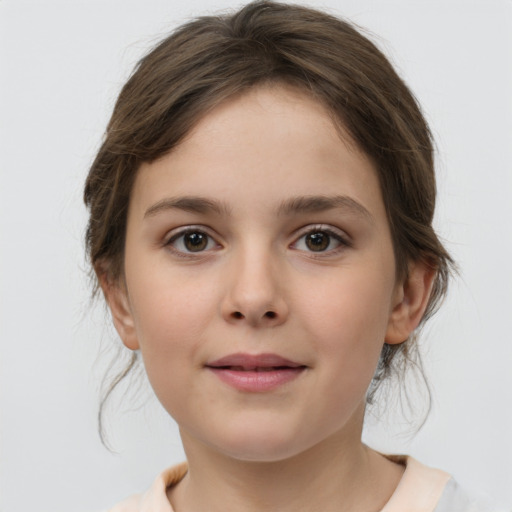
x=421, y=489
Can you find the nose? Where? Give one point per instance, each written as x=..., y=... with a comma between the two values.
x=255, y=293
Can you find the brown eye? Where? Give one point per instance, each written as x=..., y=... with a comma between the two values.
x=195, y=242
x=321, y=240
x=318, y=241
x=191, y=241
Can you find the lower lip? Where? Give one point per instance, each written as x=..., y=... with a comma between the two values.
x=257, y=382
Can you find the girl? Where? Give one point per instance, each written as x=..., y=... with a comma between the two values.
x=261, y=227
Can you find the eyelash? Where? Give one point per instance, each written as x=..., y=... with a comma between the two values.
x=342, y=240
x=332, y=234
x=170, y=243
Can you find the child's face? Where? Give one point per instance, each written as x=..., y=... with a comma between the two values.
x=262, y=233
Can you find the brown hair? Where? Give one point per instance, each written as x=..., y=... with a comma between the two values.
x=213, y=58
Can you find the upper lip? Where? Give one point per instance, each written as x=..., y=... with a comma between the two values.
x=249, y=361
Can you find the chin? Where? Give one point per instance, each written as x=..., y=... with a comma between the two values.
x=261, y=453
x=261, y=445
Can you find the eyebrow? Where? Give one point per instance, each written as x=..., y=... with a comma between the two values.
x=190, y=204
x=315, y=204
x=295, y=205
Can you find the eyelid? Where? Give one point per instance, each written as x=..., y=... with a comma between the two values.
x=341, y=236
x=178, y=232
x=328, y=228
x=186, y=228
x=338, y=234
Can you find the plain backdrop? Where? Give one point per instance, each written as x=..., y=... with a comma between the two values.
x=62, y=64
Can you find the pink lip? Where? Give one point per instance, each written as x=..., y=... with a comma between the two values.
x=255, y=373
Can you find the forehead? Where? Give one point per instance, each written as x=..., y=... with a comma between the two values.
x=283, y=110
x=260, y=148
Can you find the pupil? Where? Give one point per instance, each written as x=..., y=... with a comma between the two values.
x=317, y=241
x=195, y=241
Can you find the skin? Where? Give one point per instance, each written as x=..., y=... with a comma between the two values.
x=259, y=286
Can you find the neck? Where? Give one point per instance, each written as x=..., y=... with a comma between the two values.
x=338, y=474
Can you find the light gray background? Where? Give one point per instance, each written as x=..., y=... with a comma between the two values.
x=61, y=66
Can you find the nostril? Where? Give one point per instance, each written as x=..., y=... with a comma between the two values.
x=237, y=315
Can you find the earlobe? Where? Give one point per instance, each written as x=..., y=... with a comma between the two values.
x=411, y=302
x=116, y=297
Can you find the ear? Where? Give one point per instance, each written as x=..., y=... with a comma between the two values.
x=411, y=301
x=116, y=296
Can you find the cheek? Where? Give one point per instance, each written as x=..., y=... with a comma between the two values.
x=348, y=317
x=170, y=321
x=170, y=328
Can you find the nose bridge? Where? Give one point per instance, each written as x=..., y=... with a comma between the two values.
x=255, y=293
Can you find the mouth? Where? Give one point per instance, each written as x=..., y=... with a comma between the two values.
x=255, y=373
x=249, y=362
x=255, y=368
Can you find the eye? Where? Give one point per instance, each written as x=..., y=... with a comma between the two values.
x=191, y=241
x=320, y=240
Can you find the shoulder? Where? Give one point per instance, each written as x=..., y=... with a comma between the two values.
x=426, y=489
x=155, y=498
x=454, y=497
x=131, y=504
x=420, y=488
